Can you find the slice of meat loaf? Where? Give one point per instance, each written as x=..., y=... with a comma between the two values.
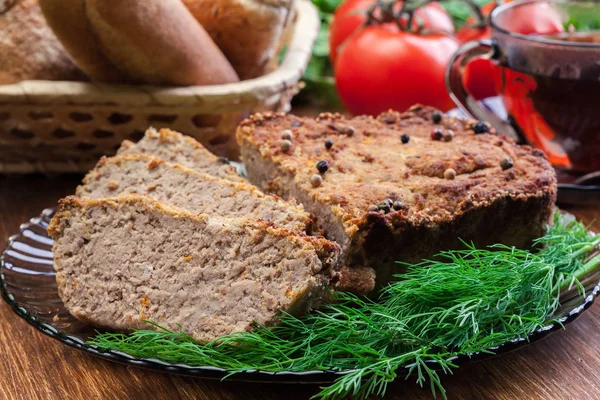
x=181, y=149
x=182, y=187
x=402, y=187
x=121, y=261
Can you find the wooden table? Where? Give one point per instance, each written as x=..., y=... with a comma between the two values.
x=33, y=366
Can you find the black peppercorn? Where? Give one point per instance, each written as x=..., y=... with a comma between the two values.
x=437, y=134
x=384, y=206
x=480, y=127
x=398, y=205
x=328, y=143
x=506, y=163
x=390, y=202
x=436, y=117
x=322, y=166
x=405, y=138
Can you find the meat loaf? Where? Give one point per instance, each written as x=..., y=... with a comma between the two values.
x=402, y=187
x=174, y=147
x=123, y=261
x=182, y=187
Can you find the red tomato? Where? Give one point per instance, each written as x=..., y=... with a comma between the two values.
x=347, y=18
x=381, y=67
x=352, y=14
x=433, y=17
x=478, y=77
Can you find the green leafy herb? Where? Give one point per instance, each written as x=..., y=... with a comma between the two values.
x=582, y=18
x=461, y=302
x=319, y=66
x=318, y=77
x=459, y=10
x=327, y=6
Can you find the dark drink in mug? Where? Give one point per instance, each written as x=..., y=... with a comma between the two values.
x=549, y=84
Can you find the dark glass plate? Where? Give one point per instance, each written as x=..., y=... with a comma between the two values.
x=27, y=283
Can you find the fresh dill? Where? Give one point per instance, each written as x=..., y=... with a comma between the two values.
x=460, y=303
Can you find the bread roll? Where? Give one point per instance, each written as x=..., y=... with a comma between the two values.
x=28, y=48
x=157, y=42
x=68, y=20
x=5, y=5
x=247, y=31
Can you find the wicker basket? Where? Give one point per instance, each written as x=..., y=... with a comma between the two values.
x=55, y=127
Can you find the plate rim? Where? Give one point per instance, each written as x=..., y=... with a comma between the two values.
x=291, y=377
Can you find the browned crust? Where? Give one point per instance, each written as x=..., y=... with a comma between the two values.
x=513, y=222
x=368, y=163
x=166, y=135
x=154, y=162
x=125, y=145
x=480, y=180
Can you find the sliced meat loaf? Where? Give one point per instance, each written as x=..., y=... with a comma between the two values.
x=181, y=149
x=402, y=186
x=121, y=261
x=182, y=187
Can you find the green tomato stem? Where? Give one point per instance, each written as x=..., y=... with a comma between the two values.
x=480, y=20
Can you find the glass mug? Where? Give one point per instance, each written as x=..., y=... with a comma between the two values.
x=549, y=84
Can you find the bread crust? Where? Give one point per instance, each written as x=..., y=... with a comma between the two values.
x=157, y=42
x=68, y=20
x=28, y=47
x=178, y=148
x=247, y=31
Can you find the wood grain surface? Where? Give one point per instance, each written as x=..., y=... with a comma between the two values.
x=33, y=366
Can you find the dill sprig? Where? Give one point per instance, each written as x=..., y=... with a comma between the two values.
x=461, y=302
